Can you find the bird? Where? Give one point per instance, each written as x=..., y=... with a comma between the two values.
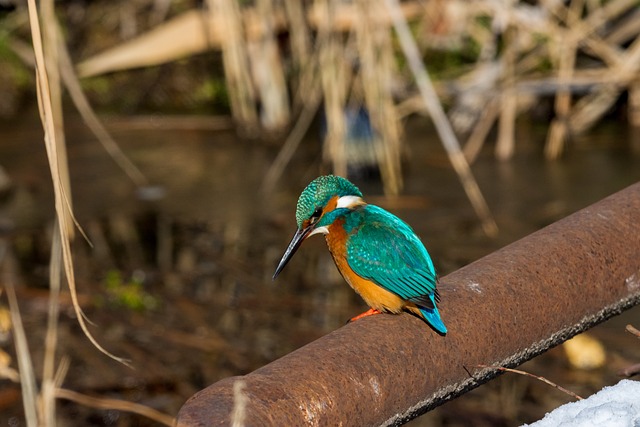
x=378, y=254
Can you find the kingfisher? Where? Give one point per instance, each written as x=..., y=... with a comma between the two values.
x=377, y=253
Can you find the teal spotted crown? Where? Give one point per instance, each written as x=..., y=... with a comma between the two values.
x=318, y=193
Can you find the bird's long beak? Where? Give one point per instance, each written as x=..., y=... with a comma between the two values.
x=295, y=243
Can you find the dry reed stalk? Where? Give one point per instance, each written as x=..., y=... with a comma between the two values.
x=299, y=35
x=584, y=31
x=267, y=71
x=187, y=34
x=558, y=131
x=309, y=71
x=609, y=53
x=182, y=36
x=634, y=103
x=591, y=107
x=594, y=21
x=474, y=90
x=481, y=129
x=606, y=17
x=51, y=55
x=627, y=30
x=567, y=51
x=308, y=98
x=90, y=118
x=581, y=33
x=335, y=77
x=539, y=50
x=608, y=12
x=477, y=87
x=47, y=393
x=72, y=84
x=447, y=136
x=242, y=96
x=376, y=71
x=509, y=101
x=115, y=404
x=292, y=142
x=62, y=206
x=25, y=365
x=346, y=14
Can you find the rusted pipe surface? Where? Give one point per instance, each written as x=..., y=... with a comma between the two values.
x=501, y=310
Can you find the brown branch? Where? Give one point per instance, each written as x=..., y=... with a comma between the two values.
x=630, y=371
x=527, y=374
x=119, y=405
x=633, y=331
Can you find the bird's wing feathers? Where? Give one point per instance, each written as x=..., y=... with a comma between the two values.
x=385, y=250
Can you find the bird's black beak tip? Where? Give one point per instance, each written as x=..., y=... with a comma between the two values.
x=295, y=243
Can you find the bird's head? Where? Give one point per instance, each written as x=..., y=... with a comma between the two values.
x=321, y=202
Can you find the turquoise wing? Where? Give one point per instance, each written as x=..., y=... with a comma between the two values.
x=384, y=249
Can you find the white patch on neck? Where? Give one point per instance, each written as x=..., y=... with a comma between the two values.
x=319, y=230
x=349, y=202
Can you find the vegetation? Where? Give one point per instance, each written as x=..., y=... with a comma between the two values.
x=274, y=65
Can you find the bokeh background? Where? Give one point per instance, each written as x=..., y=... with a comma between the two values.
x=187, y=130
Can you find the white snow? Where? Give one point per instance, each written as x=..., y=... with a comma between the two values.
x=615, y=406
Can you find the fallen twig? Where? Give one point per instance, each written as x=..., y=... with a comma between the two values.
x=119, y=405
x=630, y=371
x=633, y=331
x=527, y=374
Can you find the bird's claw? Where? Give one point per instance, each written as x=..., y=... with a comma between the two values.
x=367, y=313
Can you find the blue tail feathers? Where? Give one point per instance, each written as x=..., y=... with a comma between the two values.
x=432, y=316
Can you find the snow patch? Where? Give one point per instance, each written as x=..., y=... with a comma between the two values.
x=615, y=406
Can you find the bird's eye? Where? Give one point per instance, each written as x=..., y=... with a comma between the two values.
x=316, y=215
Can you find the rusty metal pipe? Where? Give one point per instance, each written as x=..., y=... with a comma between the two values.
x=502, y=310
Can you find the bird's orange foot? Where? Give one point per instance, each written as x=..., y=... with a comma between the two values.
x=369, y=312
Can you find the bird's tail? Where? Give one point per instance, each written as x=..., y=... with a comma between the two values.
x=432, y=316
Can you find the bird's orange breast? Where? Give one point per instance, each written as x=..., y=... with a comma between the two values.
x=374, y=295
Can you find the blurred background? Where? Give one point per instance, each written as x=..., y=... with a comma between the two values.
x=185, y=131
